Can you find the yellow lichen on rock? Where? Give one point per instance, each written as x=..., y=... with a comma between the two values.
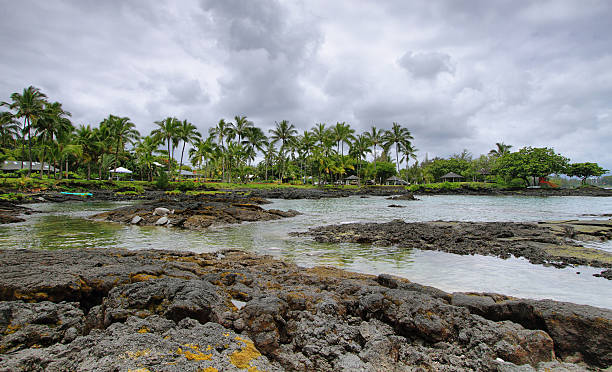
x=138, y=354
x=242, y=358
x=139, y=370
x=208, y=369
x=141, y=277
x=143, y=330
x=196, y=354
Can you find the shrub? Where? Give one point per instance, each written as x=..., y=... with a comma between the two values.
x=161, y=183
x=186, y=186
x=517, y=183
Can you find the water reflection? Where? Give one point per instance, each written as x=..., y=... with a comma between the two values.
x=62, y=226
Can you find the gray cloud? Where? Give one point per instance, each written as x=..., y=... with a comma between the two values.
x=426, y=65
x=457, y=74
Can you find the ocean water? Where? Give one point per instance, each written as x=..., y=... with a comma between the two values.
x=65, y=226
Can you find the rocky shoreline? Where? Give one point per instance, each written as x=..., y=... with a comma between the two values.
x=549, y=243
x=195, y=214
x=108, y=310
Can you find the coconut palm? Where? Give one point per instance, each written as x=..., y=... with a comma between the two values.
x=221, y=131
x=9, y=129
x=359, y=148
x=123, y=132
x=396, y=136
x=51, y=122
x=167, y=132
x=203, y=151
x=29, y=106
x=375, y=137
x=343, y=133
x=500, y=149
x=145, y=148
x=241, y=127
x=283, y=132
x=188, y=133
x=255, y=139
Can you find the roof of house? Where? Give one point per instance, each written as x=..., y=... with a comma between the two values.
x=452, y=175
x=11, y=165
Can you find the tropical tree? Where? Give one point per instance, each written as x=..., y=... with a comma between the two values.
x=530, y=162
x=343, y=133
x=9, y=129
x=221, y=131
x=359, y=148
x=241, y=127
x=85, y=138
x=188, y=133
x=500, y=149
x=255, y=140
x=397, y=136
x=53, y=121
x=375, y=137
x=167, y=132
x=123, y=132
x=144, y=151
x=29, y=106
x=284, y=132
x=585, y=170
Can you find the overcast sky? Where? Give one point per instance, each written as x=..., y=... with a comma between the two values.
x=458, y=74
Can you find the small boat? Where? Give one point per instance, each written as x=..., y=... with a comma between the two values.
x=77, y=193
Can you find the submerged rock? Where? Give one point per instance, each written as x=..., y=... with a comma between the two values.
x=163, y=310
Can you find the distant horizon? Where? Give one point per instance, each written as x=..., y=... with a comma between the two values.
x=457, y=75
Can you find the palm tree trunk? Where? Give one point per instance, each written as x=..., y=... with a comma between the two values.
x=88, y=171
x=181, y=165
x=397, y=158
x=42, y=165
x=29, y=149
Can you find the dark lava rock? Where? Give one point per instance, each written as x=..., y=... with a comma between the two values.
x=541, y=243
x=408, y=196
x=605, y=274
x=10, y=212
x=109, y=310
x=195, y=214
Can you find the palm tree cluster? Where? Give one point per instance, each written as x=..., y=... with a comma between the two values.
x=227, y=153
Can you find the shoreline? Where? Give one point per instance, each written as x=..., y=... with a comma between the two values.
x=286, y=316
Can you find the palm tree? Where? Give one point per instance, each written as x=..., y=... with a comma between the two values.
x=375, y=138
x=203, y=151
x=269, y=155
x=144, y=153
x=409, y=152
x=167, y=132
x=220, y=132
x=240, y=127
x=396, y=136
x=188, y=133
x=343, y=133
x=320, y=133
x=359, y=148
x=123, y=131
x=9, y=129
x=283, y=132
x=85, y=139
x=500, y=150
x=29, y=106
x=51, y=122
x=255, y=139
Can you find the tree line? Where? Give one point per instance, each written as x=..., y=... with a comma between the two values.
x=37, y=129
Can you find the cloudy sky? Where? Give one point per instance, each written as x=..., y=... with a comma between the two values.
x=458, y=74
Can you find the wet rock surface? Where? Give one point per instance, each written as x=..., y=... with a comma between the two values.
x=10, y=212
x=108, y=310
x=195, y=213
x=554, y=243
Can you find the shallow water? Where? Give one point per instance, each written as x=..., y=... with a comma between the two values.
x=63, y=226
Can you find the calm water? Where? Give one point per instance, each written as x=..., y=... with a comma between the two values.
x=63, y=226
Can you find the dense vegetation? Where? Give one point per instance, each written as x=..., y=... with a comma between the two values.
x=37, y=129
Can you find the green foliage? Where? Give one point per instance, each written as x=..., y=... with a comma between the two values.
x=530, y=162
x=384, y=170
x=161, y=183
x=173, y=192
x=585, y=170
x=440, y=167
x=186, y=186
x=14, y=196
x=131, y=192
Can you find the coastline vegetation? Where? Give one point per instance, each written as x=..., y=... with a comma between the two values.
x=238, y=154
